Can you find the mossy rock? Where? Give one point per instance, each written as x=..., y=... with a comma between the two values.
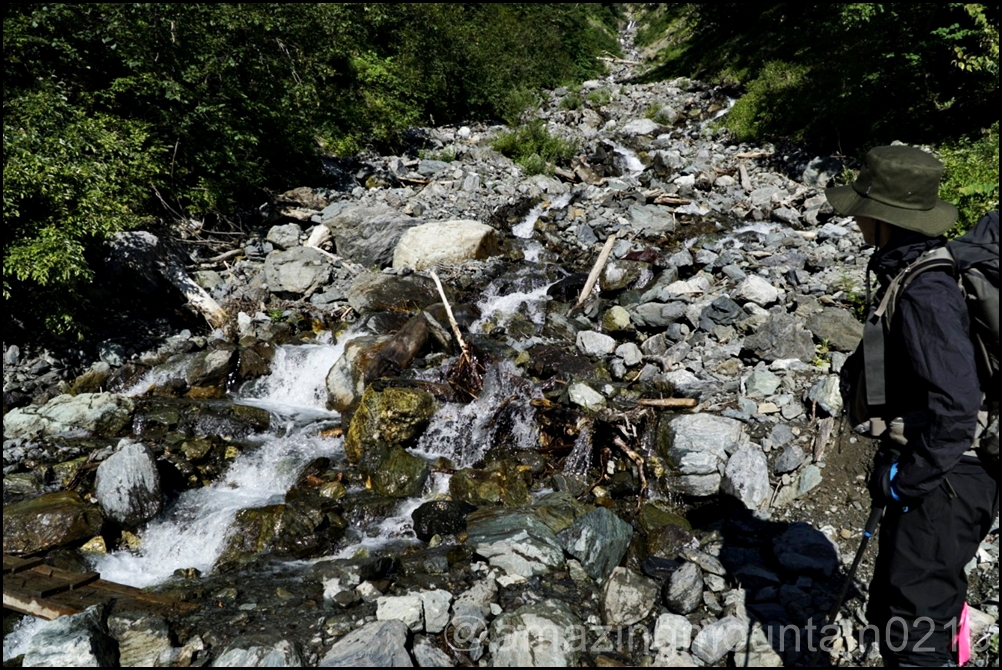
x=386, y=419
x=500, y=483
x=400, y=475
x=49, y=521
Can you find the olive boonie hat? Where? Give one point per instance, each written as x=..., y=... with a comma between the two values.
x=900, y=185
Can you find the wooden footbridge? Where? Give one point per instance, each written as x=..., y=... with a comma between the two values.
x=31, y=587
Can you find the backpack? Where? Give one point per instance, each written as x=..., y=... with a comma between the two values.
x=973, y=259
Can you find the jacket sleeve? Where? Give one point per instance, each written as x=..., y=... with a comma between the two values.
x=934, y=326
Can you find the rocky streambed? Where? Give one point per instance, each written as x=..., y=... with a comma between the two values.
x=652, y=471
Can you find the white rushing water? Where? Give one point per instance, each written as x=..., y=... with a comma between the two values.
x=525, y=227
x=192, y=532
x=16, y=642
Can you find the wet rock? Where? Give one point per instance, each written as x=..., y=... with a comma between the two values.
x=300, y=271
x=253, y=653
x=377, y=292
x=156, y=417
x=368, y=235
x=616, y=319
x=620, y=274
x=445, y=243
x=128, y=485
x=499, y=483
x=803, y=550
x=781, y=337
x=141, y=638
x=599, y=540
x=380, y=644
x=683, y=592
x=627, y=597
x=399, y=474
x=718, y=639
x=746, y=477
x=537, y=636
x=301, y=531
x=76, y=641
x=440, y=517
x=348, y=377
x=186, y=371
x=49, y=521
x=517, y=542
x=97, y=413
x=559, y=510
x=384, y=419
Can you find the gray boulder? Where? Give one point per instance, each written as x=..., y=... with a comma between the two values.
x=445, y=243
x=803, y=549
x=781, y=337
x=375, y=292
x=719, y=638
x=128, y=485
x=141, y=638
x=259, y=654
x=746, y=477
x=683, y=592
x=545, y=635
x=627, y=597
x=599, y=539
x=380, y=644
x=97, y=413
x=368, y=235
x=517, y=542
x=300, y=270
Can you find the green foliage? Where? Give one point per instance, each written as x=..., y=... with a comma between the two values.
x=840, y=77
x=69, y=178
x=971, y=181
x=599, y=97
x=535, y=149
x=116, y=114
x=571, y=101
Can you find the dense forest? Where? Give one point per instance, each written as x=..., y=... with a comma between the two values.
x=118, y=116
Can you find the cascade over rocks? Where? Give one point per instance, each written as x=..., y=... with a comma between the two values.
x=653, y=471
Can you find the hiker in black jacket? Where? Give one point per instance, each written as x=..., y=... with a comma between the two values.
x=939, y=500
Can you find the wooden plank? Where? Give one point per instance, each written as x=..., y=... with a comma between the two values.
x=26, y=603
x=68, y=584
x=13, y=564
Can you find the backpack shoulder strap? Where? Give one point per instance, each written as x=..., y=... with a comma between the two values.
x=878, y=322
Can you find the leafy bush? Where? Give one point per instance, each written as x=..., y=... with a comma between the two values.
x=535, y=149
x=971, y=181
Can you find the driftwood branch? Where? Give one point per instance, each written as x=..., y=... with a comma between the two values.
x=668, y=403
x=595, y=271
x=452, y=319
x=201, y=301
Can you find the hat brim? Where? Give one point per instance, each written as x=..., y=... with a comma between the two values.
x=932, y=222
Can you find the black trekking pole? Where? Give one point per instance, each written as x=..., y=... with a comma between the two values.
x=871, y=527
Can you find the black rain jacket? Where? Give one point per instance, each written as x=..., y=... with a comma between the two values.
x=930, y=366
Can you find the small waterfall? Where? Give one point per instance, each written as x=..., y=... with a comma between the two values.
x=627, y=160
x=524, y=228
x=502, y=415
x=16, y=642
x=192, y=532
x=499, y=304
